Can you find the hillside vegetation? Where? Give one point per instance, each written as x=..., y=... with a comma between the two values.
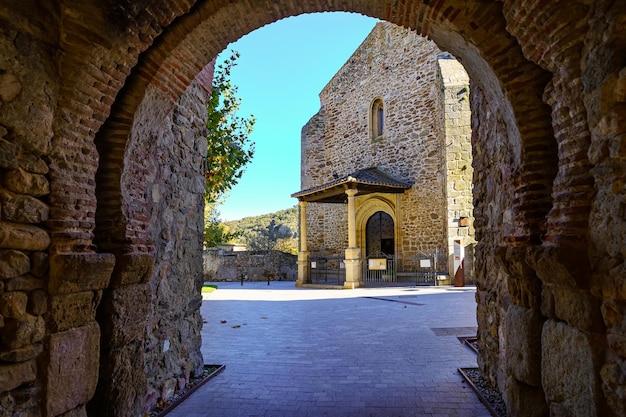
x=278, y=231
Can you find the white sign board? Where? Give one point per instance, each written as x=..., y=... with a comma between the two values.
x=459, y=254
x=377, y=264
x=424, y=263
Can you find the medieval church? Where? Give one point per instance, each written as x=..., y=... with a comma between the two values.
x=389, y=152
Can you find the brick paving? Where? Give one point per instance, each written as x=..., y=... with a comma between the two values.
x=313, y=352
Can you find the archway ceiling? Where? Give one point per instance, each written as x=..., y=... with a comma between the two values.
x=366, y=181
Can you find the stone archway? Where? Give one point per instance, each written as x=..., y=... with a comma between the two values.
x=368, y=206
x=380, y=234
x=548, y=105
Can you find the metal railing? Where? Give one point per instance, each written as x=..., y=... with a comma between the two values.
x=380, y=267
x=327, y=269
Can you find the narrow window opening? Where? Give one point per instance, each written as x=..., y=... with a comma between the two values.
x=377, y=119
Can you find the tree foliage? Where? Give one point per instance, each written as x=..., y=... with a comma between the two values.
x=216, y=232
x=277, y=231
x=229, y=149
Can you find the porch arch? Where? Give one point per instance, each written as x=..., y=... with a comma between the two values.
x=368, y=206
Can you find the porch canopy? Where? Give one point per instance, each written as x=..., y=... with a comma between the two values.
x=365, y=181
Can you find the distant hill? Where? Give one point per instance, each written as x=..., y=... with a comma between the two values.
x=278, y=230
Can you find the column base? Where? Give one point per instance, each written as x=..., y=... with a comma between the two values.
x=303, y=269
x=353, y=268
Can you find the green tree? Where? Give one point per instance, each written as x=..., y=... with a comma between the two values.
x=229, y=149
x=287, y=245
x=216, y=232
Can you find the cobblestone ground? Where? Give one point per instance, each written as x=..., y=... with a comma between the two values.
x=364, y=352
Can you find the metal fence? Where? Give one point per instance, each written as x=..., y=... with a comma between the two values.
x=380, y=268
x=327, y=269
x=424, y=268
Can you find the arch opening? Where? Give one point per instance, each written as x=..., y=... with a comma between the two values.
x=159, y=98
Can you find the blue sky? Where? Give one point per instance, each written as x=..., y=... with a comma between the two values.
x=281, y=70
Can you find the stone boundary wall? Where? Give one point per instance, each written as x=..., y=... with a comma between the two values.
x=225, y=265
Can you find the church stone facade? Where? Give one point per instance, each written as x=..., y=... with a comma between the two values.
x=400, y=105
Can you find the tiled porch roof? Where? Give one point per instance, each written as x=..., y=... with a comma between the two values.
x=366, y=181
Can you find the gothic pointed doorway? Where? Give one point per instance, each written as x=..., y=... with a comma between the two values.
x=379, y=233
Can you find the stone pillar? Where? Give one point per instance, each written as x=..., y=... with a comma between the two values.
x=303, y=253
x=353, y=253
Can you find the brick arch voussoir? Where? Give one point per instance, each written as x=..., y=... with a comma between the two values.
x=99, y=43
x=555, y=40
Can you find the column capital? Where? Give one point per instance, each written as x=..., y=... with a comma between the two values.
x=351, y=192
x=302, y=203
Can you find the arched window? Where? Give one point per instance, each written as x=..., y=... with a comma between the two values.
x=377, y=118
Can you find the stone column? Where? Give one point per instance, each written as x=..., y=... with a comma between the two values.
x=353, y=253
x=303, y=253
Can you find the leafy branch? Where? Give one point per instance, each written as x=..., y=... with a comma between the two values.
x=228, y=148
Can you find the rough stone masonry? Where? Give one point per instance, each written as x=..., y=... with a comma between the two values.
x=100, y=174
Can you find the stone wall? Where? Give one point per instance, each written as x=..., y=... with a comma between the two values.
x=426, y=141
x=174, y=322
x=224, y=265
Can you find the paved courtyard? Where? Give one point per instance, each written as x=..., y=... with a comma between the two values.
x=311, y=352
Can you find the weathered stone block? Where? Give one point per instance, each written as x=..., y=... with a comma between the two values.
x=72, y=310
x=22, y=354
x=74, y=360
x=33, y=164
x=13, y=263
x=24, y=283
x=614, y=387
x=126, y=309
x=38, y=302
x=614, y=314
x=169, y=389
x=22, y=182
x=80, y=272
x=123, y=377
x=8, y=154
x=23, y=236
x=39, y=264
x=578, y=308
x=10, y=86
x=132, y=268
x=18, y=333
x=523, y=353
x=564, y=266
x=27, y=399
x=523, y=284
x=13, y=304
x=21, y=208
x=14, y=375
x=569, y=369
x=524, y=400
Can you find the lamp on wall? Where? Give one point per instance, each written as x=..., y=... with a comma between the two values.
x=463, y=222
